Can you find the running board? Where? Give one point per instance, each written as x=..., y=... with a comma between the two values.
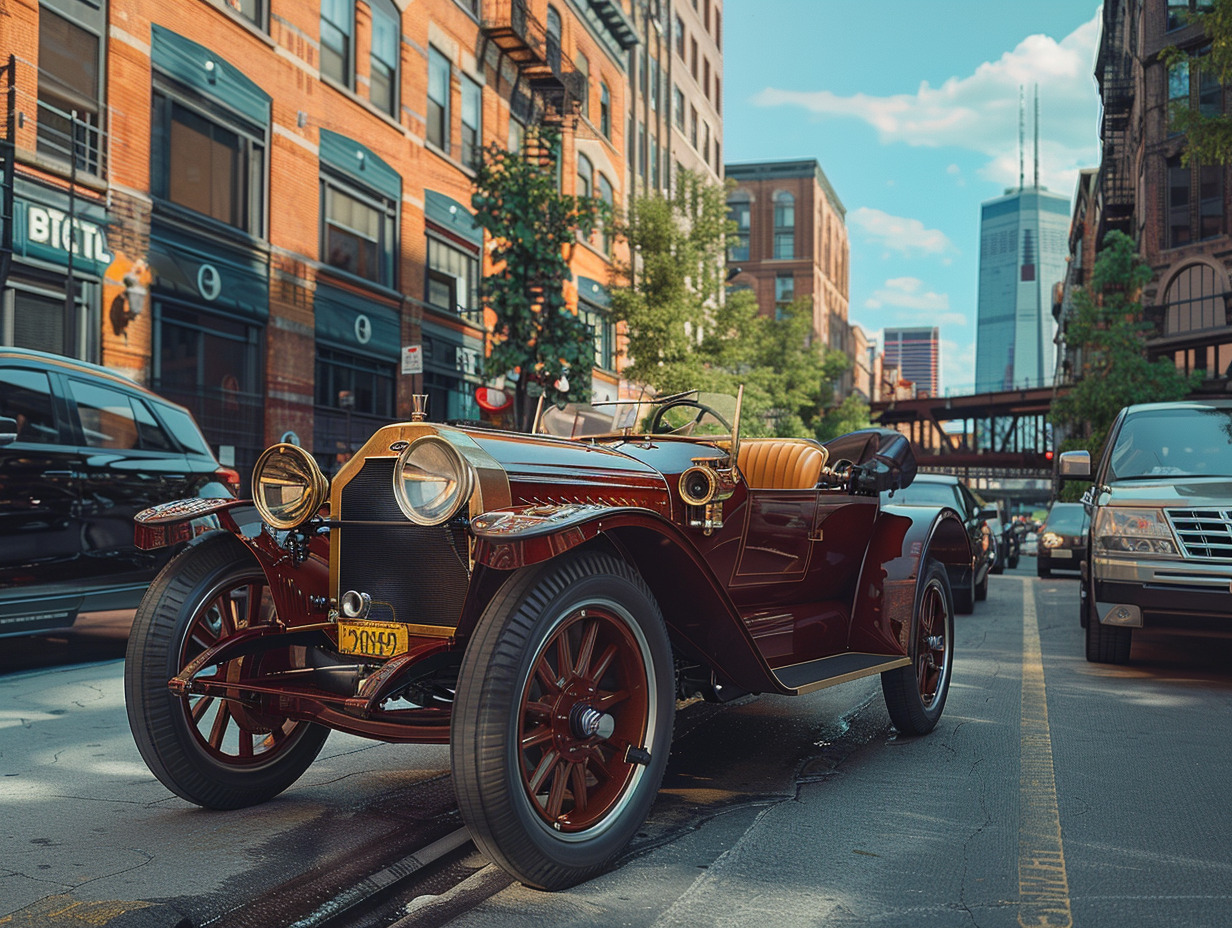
x=827, y=671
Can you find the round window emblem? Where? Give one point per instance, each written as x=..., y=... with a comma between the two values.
x=209, y=281
x=363, y=329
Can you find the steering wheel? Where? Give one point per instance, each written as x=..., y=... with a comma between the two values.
x=659, y=427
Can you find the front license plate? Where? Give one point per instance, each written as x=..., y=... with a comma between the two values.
x=372, y=639
x=1061, y=552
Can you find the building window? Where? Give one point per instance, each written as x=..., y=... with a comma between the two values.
x=347, y=381
x=1179, y=11
x=693, y=127
x=438, y=99
x=358, y=231
x=1195, y=202
x=739, y=212
x=209, y=162
x=604, y=332
x=784, y=293
x=706, y=142
x=605, y=111
x=453, y=276
x=678, y=106
x=582, y=64
x=68, y=81
x=251, y=10
x=1203, y=94
x=585, y=172
x=553, y=39
x=386, y=42
x=654, y=83
x=680, y=37
x=641, y=149
x=472, y=123
x=718, y=94
x=517, y=134
x=654, y=162
x=784, y=225
x=693, y=56
x=1193, y=301
x=337, y=29
x=706, y=77
x=606, y=194
x=718, y=30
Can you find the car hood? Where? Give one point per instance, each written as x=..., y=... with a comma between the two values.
x=1170, y=493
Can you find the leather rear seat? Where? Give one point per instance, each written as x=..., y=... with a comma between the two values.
x=781, y=464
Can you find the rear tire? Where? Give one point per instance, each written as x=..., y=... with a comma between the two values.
x=548, y=798
x=981, y=590
x=963, y=598
x=915, y=695
x=220, y=753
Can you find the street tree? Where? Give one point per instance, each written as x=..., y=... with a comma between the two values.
x=687, y=332
x=851, y=414
x=532, y=229
x=1208, y=135
x=1110, y=333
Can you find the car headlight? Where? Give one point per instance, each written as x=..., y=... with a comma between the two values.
x=1050, y=540
x=432, y=481
x=288, y=487
x=1133, y=531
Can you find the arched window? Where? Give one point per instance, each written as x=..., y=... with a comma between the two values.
x=738, y=210
x=605, y=111
x=784, y=225
x=585, y=176
x=1194, y=301
x=553, y=39
x=386, y=39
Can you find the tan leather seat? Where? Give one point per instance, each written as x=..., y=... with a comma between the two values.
x=781, y=464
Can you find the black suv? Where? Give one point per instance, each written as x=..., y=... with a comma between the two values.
x=83, y=450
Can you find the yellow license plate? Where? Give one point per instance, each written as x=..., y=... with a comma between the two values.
x=372, y=639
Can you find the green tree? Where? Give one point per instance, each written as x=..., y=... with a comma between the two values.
x=851, y=414
x=686, y=333
x=1208, y=135
x=1109, y=330
x=533, y=228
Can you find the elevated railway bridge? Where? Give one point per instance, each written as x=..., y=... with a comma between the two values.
x=1000, y=442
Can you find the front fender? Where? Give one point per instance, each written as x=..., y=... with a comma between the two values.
x=700, y=616
x=904, y=538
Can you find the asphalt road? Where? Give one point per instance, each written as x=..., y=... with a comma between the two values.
x=1054, y=792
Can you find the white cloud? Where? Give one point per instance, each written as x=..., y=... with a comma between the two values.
x=908, y=293
x=897, y=233
x=957, y=366
x=980, y=111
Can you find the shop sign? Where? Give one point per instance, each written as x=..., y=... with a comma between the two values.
x=55, y=231
x=412, y=359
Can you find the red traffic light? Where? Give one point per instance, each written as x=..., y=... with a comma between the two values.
x=1047, y=455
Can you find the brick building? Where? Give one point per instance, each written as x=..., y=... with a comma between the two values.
x=792, y=242
x=1180, y=215
x=264, y=206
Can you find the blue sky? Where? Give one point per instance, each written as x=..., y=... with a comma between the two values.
x=911, y=108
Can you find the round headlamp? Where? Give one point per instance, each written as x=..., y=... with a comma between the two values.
x=698, y=486
x=288, y=487
x=432, y=481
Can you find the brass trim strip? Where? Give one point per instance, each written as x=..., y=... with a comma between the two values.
x=891, y=664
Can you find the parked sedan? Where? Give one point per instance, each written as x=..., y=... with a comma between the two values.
x=1159, y=546
x=82, y=451
x=1062, y=539
x=970, y=581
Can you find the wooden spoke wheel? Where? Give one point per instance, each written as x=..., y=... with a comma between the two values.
x=915, y=695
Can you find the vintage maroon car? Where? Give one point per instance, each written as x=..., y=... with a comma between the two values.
x=538, y=602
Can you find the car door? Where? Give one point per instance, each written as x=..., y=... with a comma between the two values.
x=128, y=463
x=40, y=528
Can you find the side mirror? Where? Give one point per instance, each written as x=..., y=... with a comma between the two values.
x=8, y=430
x=988, y=512
x=1075, y=465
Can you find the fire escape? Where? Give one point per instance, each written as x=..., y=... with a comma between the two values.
x=549, y=88
x=8, y=152
x=1114, y=71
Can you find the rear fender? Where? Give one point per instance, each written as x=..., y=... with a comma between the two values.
x=903, y=540
x=701, y=619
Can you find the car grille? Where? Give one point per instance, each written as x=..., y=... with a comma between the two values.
x=1205, y=533
x=420, y=572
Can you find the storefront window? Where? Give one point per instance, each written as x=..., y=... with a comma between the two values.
x=358, y=232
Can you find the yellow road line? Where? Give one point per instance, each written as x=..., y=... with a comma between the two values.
x=1043, y=887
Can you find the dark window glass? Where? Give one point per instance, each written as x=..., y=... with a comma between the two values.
x=1180, y=11
x=1178, y=203
x=585, y=176
x=1210, y=204
x=553, y=39
x=184, y=429
x=582, y=64
x=337, y=21
x=680, y=37
x=383, y=67
x=359, y=233
x=605, y=111
x=739, y=212
x=678, y=105
x=252, y=10
x=107, y=417
x=472, y=123
x=604, y=332
x=68, y=82
x=26, y=397
x=784, y=293
x=211, y=167
x=368, y=382
x=438, y=100
x=453, y=277
x=784, y=225
x=1176, y=443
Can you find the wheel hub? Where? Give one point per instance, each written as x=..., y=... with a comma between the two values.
x=586, y=722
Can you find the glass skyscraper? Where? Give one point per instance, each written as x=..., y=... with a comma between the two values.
x=1024, y=239
x=916, y=352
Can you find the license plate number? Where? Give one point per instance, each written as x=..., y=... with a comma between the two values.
x=372, y=639
x=1061, y=552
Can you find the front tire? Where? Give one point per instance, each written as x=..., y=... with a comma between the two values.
x=563, y=719
x=915, y=695
x=220, y=753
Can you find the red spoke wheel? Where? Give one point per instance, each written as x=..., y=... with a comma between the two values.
x=562, y=723
x=915, y=695
x=222, y=752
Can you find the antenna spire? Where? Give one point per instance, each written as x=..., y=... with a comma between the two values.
x=1037, y=136
x=1021, y=133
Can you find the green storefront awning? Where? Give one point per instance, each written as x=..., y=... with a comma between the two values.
x=208, y=73
x=202, y=270
x=449, y=214
x=346, y=321
x=360, y=164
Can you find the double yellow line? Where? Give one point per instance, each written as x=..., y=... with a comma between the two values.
x=1043, y=887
